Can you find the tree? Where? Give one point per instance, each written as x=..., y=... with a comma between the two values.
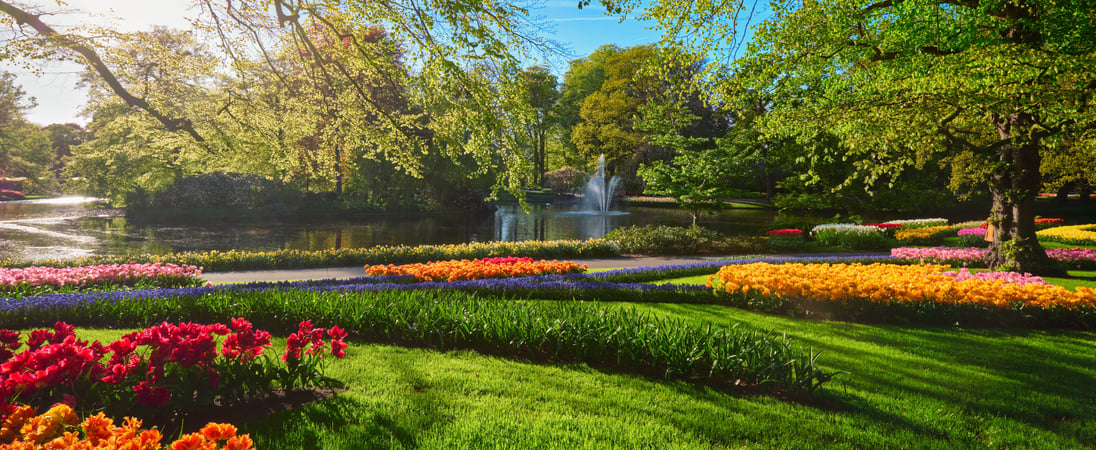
x=902, y=80
x=542, y=94
x=704, y=171
x=609, y=113
x=583, y=77
x=62, y=137
x=459, y=49
x=24, y=148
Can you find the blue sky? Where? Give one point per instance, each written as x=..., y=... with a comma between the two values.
x=59, y=99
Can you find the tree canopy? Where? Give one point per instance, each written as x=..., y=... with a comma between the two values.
x=310, y=86
x=991, y=82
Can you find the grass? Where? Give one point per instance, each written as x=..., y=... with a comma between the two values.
x=906, y=388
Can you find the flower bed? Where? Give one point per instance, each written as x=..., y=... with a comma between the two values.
x=1074, y=258
x=920, y=223
x=22, y=429
x=922, y=293
x=242, y=260
x=1073, y=234
x=933, y=235
x=972, y=237
x=786, y=239
x=477, y=269
x=850, y=236
x=888, y=228
x=32, y=280
x=160, y=369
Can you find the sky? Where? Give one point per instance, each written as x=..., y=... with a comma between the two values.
x=60, y=100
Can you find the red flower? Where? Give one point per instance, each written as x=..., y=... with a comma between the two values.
x=784, y=232
x=151, y=396
x=240, y=324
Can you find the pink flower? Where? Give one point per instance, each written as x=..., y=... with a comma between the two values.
x=784, y=232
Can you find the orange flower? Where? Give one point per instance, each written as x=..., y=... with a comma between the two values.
x=193, y=441
x=14, y=422
x=218, y=431
x=476, y=269
x=239, y=443
x=888, y=283
x=98, y=427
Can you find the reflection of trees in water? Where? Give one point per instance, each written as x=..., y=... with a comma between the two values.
x=109, y=233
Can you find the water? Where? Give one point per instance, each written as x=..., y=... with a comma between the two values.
x=75, y=226
x=598, y=195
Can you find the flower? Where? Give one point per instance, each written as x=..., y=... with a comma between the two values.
x=218, y=431
x=151, y=396
x=785, y=232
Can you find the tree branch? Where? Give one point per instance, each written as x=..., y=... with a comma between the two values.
x=170, y=123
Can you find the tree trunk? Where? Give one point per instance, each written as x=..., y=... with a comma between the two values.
x=1015, y=183
x=1063, y=192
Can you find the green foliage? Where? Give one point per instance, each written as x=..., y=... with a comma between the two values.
x=583, y=77
x=25, y=150
x=216, y=190
x=310, y=98
x=668, y=240
x=700, y=176
x=561, y=331
x=989, y=83
x=541, y=94
x=565, y=179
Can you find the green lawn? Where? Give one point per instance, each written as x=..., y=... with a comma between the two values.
x=904, y=388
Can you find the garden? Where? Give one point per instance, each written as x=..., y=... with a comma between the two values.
x=520, y=345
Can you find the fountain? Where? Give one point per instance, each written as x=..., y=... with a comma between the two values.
x=598, y=195
x=595, y=213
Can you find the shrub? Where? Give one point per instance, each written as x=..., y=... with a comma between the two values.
x=923, y=235
x=850, y=236
x=668, y=240
x=216, y=190
x=564, y=179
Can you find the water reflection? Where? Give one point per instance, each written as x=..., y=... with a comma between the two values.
x=74, y=227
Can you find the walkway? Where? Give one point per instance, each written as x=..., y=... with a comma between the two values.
x=324, y=273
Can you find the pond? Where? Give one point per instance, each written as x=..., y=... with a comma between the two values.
x=73, y=227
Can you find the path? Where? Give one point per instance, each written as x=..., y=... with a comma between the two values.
x=323, y=273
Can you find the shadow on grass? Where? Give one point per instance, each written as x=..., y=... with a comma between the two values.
x=1041, y=378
